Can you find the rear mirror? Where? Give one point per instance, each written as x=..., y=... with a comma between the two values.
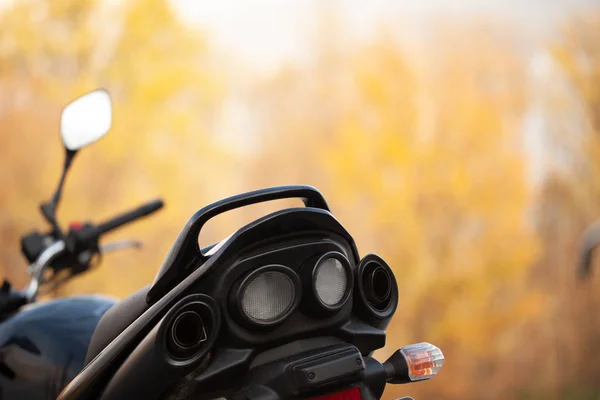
x=86, y=119
x=83, y=121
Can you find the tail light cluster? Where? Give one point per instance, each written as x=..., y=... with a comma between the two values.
x=267, y=296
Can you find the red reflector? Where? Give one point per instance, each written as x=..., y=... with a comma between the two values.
x=350, y=394
x=76, y=226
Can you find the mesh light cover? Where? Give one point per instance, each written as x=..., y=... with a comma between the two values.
x=331, y=281
x=268, y=296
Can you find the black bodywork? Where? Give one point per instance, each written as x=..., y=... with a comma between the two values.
x=309, y=353
x=44, y=346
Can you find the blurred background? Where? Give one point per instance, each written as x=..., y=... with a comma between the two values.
x=460, y=140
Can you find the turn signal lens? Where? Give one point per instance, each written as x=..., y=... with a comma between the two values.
x=424, y=360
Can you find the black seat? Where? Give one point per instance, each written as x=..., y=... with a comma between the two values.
x=115, y=320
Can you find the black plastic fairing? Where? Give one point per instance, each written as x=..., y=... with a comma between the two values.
x=185, y=253
x=152, y=358
x=298, y=370
x=291, y=252
x=228, y=361
x=294, y=221
x=310, y=372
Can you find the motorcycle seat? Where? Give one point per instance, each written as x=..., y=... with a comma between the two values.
x=115, y=320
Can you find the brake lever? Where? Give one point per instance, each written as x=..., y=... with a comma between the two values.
x=38, y=267
x=120, y=245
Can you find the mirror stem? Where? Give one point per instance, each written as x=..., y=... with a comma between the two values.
x=49, y=209
x=70, y=154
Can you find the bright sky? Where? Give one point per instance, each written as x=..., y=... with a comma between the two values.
x=264, y=33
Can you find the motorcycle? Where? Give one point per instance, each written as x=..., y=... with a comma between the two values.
x=283, y=308
x=43, y=345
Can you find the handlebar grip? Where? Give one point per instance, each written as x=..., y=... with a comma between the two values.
x=130, y=216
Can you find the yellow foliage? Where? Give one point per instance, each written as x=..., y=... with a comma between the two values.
x=422, y=159
x=162, y=89
x=438, y=191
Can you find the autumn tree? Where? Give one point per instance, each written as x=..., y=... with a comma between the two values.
x=164, y=91
x=568, y=200
x=421, y=157
x=426, y=168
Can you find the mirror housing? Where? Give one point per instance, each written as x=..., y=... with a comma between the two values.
x=86, y=119
x=83, y=121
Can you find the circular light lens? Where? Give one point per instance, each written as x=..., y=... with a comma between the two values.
x=268, y=296
x=331, y=281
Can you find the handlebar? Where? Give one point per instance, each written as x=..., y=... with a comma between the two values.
x=74, y=251
x=85, y=236
x=130, y=216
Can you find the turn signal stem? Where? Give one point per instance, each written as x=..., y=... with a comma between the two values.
x=396, y=369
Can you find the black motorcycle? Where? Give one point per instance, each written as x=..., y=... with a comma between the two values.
x=283, y=308
x=43, y=345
